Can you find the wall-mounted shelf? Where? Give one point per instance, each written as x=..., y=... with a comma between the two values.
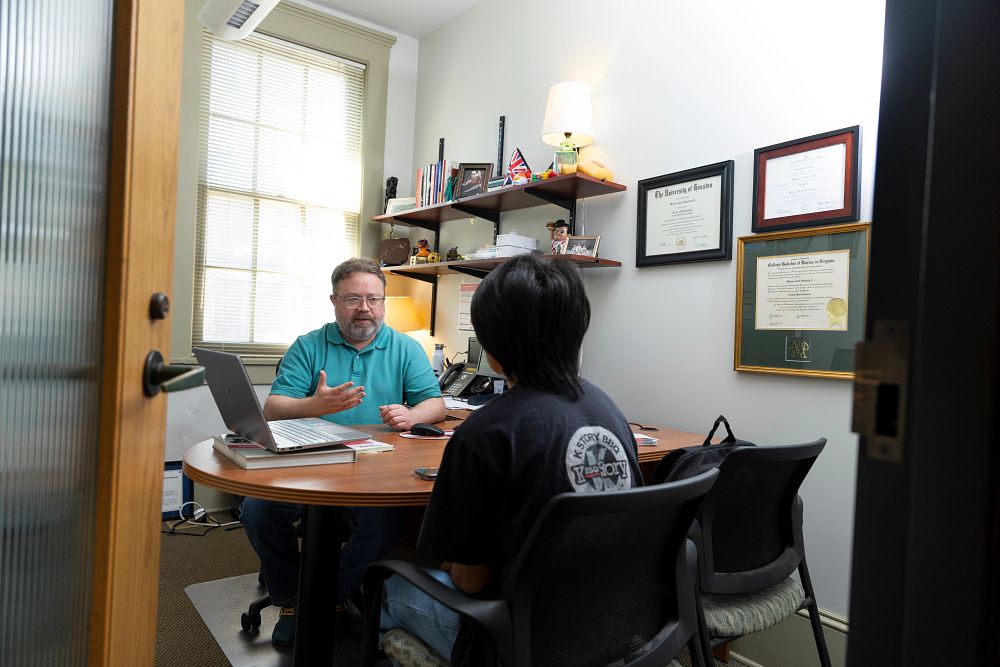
x=561, y=190
x=479, y=268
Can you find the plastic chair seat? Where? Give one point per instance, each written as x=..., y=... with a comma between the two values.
x=738, y=615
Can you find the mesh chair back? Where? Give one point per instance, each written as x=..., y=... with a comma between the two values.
x=751, y=522
x=596, y=579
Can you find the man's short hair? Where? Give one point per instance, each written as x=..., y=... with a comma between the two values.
x=531, y=315
x=356, y=265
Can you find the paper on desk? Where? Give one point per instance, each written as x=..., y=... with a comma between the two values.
x=458, y=404
x=370, y=446
x=643, y=439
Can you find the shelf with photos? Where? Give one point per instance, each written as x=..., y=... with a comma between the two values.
x=559, y=190
x=563, y=191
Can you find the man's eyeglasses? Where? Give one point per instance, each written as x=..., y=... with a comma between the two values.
x=354, y=302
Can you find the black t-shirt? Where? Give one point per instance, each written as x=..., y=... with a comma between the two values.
x=510, y=457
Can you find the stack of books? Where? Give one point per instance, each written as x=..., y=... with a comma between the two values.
x=433, y=181
x=253, y=456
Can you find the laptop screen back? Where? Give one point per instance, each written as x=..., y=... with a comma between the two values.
x=233, y=392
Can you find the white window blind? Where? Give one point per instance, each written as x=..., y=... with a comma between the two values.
x=279, y=190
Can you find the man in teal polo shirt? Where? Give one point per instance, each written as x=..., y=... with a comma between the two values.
x=352, y=371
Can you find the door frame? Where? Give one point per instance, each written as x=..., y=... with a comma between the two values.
x=142, y=192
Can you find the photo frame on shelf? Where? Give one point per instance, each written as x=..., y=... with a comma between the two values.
x=807, y=182
x=800, y=300
x=400, y=204
x=473, y=178
x=686, y=216
x=582, y=245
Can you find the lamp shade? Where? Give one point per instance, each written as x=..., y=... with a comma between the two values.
x=401, y=314
x=568, y=117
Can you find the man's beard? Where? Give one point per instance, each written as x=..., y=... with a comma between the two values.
x=358, y=330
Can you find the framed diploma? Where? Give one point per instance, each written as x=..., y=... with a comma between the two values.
x=686, y=216
x=807, y=182
x=800, y=300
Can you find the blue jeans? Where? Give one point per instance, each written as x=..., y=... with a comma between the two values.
x=269, y=527
x=406, y=607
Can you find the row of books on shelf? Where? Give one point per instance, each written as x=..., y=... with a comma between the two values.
x=435, y=182
x=253, y=456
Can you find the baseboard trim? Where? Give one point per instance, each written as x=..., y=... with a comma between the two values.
x=791, y=644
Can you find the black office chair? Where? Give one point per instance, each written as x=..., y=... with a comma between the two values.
x=749, y=537
x=594, y=584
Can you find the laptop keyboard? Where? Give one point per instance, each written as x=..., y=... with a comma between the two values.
x=297, y=433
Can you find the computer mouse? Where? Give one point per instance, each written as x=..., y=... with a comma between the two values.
x=426, y=429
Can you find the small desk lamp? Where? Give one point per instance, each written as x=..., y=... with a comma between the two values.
x=568, y=123
x=401, y=314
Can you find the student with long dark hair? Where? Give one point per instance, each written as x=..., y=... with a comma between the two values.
x=552, y=432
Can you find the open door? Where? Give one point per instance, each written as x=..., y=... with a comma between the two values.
x=927, y=521
x=142, y=191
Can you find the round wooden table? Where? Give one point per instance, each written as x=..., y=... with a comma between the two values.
x=383, y=479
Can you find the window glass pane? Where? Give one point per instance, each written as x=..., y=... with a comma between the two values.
x=227, y=295
x=279, y=303
x=233, y=86
x=280, y=168
x=229, y=231
x=230, y=154
x=325, y=104
x=280, y=237
x=282, y=92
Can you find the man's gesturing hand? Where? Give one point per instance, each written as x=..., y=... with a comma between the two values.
x=328, y=400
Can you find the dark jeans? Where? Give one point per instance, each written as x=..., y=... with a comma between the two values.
x=269, y=526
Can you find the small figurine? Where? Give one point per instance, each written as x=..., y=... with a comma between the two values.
x=453, y=255
x=560, y=237
x=390, y=191
x=422, y=249
x=434, y=257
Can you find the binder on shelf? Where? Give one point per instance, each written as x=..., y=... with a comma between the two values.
x=252, y=456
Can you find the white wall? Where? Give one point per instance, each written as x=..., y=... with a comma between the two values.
x=675, y=85
x=192, y=415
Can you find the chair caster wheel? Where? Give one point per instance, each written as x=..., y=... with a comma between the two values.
x=250, y=622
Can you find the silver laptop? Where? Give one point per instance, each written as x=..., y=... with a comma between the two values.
x=233, y=392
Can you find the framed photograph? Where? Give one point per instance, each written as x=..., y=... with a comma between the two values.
x=800, y=300
x=807, y=182
x=686, y=216
x=400, y=204
x=473, y=178
x=582, y=245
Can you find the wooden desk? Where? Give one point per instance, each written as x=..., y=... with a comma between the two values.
x=384, y=479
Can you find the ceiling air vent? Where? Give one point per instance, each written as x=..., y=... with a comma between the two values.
x=234, y=19
x=242, y=13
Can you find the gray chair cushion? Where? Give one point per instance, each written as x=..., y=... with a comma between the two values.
x=738, y=615
x=408, y=651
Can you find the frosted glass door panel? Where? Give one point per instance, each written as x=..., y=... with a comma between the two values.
x=55, y=70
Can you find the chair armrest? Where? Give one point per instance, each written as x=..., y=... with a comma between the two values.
x=492, y=615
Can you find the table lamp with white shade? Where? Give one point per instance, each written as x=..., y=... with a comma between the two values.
x=568, y=123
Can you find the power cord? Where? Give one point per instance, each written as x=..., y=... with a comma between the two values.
x=641, y=427
x=198, y=519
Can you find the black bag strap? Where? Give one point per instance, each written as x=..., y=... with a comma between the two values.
x=729, y=439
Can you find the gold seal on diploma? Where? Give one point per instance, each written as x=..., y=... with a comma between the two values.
x=836, y=310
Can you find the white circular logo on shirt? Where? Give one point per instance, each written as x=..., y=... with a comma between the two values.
x=596, y=461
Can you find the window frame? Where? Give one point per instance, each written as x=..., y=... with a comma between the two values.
x=311, y=29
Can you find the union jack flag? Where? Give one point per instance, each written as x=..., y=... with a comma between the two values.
x=518, y=165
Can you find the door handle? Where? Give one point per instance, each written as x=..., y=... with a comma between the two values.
x=158, y=376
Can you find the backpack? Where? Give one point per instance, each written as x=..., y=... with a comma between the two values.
x=691, y=461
